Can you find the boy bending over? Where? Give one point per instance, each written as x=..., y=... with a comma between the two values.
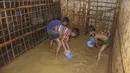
x=59, y=33
x=101, y=40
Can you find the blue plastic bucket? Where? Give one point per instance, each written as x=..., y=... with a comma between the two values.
x=68, y=55
x=90, y=42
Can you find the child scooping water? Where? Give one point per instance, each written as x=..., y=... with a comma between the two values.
x=101, y=40
x=59, y=33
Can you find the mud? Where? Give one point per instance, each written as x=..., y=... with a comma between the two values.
x=41, y=59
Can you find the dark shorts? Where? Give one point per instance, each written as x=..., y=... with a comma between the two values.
x=105, y=42
x=52, y=34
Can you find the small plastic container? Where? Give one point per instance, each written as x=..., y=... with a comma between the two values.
x=91, y=42
x=68, y=55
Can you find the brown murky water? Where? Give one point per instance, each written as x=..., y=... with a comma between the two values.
x=42, y=59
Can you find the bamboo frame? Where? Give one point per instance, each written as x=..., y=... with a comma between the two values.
x=22, y=24
x=20, y=33
x=91, y=12
x=99, y=10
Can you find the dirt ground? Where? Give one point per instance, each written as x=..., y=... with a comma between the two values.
x=41, y=59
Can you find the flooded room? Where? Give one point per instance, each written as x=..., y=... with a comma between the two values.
x=64, y=36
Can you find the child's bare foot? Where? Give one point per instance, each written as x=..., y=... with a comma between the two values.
x=56, y=57
x=101, y=55
x=93, y=65
x=96, y=63
x=50, y=46
x=98, y=58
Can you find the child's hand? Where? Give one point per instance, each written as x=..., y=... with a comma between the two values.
x=66, y=51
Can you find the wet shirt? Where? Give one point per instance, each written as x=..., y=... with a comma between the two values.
x=52, y=24
x=63, y=30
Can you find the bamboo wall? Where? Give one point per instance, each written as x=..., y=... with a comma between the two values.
x=120, y=54
x=99, y=13
x=22, y=25
x=76, y=10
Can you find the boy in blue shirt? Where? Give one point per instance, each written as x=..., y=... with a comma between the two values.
x=52, y=24
x=57, y=31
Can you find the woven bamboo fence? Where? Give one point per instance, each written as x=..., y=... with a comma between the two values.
x=22, y=25
x=99, y=13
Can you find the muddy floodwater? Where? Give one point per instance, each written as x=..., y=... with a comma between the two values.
x=41, y=59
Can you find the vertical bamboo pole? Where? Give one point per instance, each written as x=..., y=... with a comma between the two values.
x=67, y=7
x=22, y=26
x=80, y=13
x=7, y=28
x=88, y=14
x=96, y=13
x=11, y=43
x=84, y=12
x=3, y=35
x=17, y=27
x=59, y=5
x=73, y=11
